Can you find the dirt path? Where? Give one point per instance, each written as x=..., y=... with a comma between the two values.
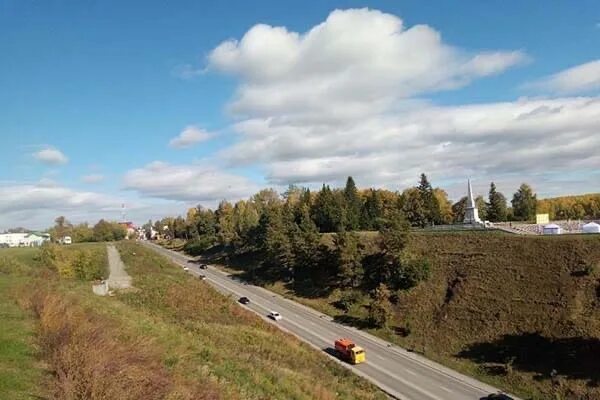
x=118, y=278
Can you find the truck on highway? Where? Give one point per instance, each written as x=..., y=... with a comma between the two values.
x=349, y=351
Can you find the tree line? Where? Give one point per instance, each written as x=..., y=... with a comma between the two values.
x=102, y=231
x=343, y=209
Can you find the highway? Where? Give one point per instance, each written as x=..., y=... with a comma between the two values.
x=401, y=374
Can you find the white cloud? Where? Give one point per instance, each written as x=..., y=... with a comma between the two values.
x=189, y=137
x=578, y=79
x=346, y=98
x=357, y=62
x=51, y=156
x=527, y=136
x=92, y=178
x=36, y=205
x=193, y=183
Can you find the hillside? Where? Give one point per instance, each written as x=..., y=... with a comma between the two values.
x=508, y=309
x=171, y=337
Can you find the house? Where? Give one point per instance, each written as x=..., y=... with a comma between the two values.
x=24, y=239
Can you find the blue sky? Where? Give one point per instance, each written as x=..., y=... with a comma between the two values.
x=104, y=86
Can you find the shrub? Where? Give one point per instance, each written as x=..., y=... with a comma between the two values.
x=199, y=245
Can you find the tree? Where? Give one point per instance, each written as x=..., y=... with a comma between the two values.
x=305, y=241
x=413, y=207
x=372, y=210
x=353, y=205
x=380, y=308
x=62, y=228
x=348, y=259
x=524, y=203
x=105, y=231
x=481, y=207
x=327, y=211
x=225, y=223
x=444, y=206
x=458, y=209
x=496, y=206
x=277, y=243
x=82, y=233
x=429, y=201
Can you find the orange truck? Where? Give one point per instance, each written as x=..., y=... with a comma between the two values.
x=349, y=351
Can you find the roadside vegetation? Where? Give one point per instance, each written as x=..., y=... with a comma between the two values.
x=171, y=337
x=475, y=301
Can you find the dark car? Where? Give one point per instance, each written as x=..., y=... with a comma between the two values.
x=497, y=396
x=203, y=266
x=244, y=300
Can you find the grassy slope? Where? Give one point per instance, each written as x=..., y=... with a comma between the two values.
x=507, y=309
x=199, y=343
x=208, y=336
x=20, y=374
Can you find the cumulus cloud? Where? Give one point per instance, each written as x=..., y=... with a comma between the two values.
x=348, y=98
x=92, y=178
x=192, y=182
x=189, y=137
x=355, y=63
x=578, y=79
x=51, y=156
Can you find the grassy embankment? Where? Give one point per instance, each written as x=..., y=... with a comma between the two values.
x=506, y=309
x=172, y=337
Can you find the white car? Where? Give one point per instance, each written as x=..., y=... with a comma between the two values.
x=274, y=315
x=185, y=268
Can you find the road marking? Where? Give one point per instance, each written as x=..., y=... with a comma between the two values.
x=410, y=372
x=445, y=388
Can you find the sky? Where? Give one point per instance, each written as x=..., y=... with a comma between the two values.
x=159, y=106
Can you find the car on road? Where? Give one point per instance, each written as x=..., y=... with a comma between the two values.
x=275, y=316
x=202, y=277
x=497, y=396
x=244, y=300
x=203, y=266
x=186, y=268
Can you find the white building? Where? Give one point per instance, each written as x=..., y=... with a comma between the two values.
x=471, y=212
x=24, y=239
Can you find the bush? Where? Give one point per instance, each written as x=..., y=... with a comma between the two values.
x=85, y=268
x=200, y=245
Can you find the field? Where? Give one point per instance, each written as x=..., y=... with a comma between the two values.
x=171, y=337
x=522, y=313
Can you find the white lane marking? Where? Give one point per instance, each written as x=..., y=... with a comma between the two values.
x=410, y=372
x=445, y=388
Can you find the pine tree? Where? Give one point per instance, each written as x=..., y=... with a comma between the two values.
x=353, y=205
x=348, y=259
x=496, y=206
x=327, y=211
x=524, y=203
x=430, y=203
x=305, y=242
x=372, y=210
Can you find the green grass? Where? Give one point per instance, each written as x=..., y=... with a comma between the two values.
x=20, y=372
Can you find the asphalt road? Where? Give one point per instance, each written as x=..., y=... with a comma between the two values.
x=400, y=373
